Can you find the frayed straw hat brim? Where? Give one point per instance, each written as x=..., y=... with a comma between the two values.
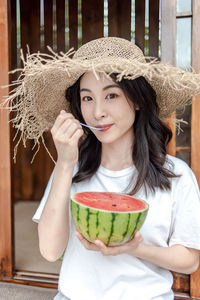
x=39, y=95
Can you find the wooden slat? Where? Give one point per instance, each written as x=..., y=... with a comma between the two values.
x=153, y=27
x=182, y=296
x=73, y=24
x=6, y=237
x=184, y=14
x=15, y=170
x=168, y=51
x=183, y=149
x=168, y=31
x=13, y=27
x=195, y=126
x=30, y=24
x=92, y=19
x=119, y=18
x=13, y=63
x=60, y=21
x=27, y=30
x=48, y=23
x=140, y=23
x=30, y=34
x=171, y=148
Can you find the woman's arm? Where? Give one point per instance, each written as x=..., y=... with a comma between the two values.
x=53, y=228
x=176, y=258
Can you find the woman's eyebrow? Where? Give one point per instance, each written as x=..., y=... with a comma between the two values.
x=111, y=86
x=85, y=90
x=105, y=88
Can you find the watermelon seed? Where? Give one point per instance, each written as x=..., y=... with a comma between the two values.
x=114, y=204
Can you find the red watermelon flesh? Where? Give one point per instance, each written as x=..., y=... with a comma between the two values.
x=110, y=201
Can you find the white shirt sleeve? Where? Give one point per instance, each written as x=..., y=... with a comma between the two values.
x=36, y=217
x=185, y=229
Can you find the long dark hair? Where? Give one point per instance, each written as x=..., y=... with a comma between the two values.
x=151, y=137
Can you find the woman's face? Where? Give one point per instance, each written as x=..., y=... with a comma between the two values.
x=104, y=104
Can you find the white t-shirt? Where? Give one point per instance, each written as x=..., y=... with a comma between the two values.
x=173, y=218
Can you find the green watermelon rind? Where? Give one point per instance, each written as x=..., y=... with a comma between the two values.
x=112, y=228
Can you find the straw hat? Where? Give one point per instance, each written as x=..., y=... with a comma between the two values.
x=40, y=92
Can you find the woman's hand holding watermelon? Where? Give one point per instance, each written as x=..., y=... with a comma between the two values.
x=127, y=248
x=176, y=258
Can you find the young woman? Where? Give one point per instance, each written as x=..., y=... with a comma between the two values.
x=128, y=155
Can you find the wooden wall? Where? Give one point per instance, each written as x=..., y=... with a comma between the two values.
x=64, y=24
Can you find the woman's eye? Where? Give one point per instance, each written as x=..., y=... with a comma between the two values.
x=111, y=96
x=87, y=98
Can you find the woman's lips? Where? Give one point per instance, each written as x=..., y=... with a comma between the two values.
x=104, y=127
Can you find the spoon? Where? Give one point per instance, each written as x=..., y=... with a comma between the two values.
x=95, y=128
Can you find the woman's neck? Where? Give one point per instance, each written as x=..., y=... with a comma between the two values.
x=118, y=155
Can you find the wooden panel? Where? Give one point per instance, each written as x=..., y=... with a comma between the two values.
x=92, y=19
x=153, y=28
x=60, y=21
x=140, y=23
x=195, y=126
x=73, y=24
x=168, y=51
x=48, y=23
x=5, y=176
x=181, y=282
x=119, y=18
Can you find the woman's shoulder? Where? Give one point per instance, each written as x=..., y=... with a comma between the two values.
x=176, y=164
x=180, y=168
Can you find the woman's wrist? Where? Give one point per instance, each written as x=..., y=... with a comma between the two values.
x=65, y=166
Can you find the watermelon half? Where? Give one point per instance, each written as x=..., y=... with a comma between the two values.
x=110, y=217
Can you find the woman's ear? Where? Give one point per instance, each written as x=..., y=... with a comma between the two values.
x=137, y=107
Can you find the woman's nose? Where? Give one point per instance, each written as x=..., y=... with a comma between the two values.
x=99, y=110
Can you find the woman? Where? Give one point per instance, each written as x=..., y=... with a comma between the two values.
x=127, y=155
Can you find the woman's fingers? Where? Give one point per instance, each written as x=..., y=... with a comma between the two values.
x=64, y=127
x=61, y=118
x=68, y=128
x=113, y=251
x=86, y=243
x=66, y=133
